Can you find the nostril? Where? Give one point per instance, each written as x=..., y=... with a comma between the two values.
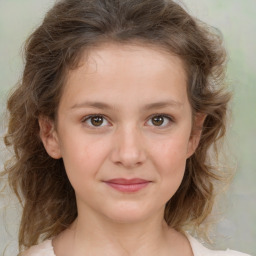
x=127, y=148
x=128, y=160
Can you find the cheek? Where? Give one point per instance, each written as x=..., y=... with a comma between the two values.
x=170, y=157
x=83, y=158
x=169, y=162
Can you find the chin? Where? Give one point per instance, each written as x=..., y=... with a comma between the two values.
x=128, y=219
x=129, y=214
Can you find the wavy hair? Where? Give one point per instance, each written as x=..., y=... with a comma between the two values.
x=72, y=27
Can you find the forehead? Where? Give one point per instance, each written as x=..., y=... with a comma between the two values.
x=113, y=56
x=114, y=70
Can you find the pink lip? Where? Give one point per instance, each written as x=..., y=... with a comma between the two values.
x=127, y=185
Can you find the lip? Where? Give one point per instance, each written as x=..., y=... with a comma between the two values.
x=128, y=185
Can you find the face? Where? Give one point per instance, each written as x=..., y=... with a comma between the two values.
x=124, y=131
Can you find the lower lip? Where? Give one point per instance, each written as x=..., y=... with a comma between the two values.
x=128, y=187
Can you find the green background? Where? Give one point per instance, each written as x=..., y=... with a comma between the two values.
x=237, y=21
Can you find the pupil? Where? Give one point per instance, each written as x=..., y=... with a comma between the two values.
x=97, y=120
x=158, y=120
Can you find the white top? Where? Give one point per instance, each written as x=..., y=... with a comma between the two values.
x=46, y=249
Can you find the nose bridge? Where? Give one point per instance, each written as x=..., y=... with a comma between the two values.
x=128, y=147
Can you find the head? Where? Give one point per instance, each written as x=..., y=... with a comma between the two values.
x=69, y=40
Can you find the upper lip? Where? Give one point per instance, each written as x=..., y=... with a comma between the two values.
x=123, y=181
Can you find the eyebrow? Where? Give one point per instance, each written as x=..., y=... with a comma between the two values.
x=154, y=105
x=163, y=104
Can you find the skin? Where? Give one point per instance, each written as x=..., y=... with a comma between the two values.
x=126, y=86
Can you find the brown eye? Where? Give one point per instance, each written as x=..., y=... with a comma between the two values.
x=96, y=121
x=157, y=120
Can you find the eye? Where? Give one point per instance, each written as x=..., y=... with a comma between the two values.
x=95, y=121
x=160, y=120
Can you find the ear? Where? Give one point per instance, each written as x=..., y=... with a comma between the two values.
x=49, y=137
x=195, y=133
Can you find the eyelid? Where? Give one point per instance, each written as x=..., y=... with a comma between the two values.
x=85, y=118
x=170, y=118
x=162, y=114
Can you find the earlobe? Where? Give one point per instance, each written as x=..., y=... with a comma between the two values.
x=49, y=137
x=195, y=134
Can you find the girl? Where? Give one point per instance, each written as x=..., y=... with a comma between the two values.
x=120, y=103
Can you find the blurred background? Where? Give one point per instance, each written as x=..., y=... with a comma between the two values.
x=237, y=22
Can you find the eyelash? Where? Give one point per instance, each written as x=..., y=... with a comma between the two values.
x=165, y=116
x=88, y=118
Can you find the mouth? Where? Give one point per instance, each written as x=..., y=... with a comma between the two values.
x=128, y=185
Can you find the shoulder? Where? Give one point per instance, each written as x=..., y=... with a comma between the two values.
x=43, y=249
x=199, y=250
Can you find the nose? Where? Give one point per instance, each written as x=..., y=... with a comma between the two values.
x=128, y=148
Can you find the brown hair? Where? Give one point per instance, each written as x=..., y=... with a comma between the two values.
x=71, y=27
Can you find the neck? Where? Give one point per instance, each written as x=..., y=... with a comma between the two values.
x=94, y=234
x=102, y=236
